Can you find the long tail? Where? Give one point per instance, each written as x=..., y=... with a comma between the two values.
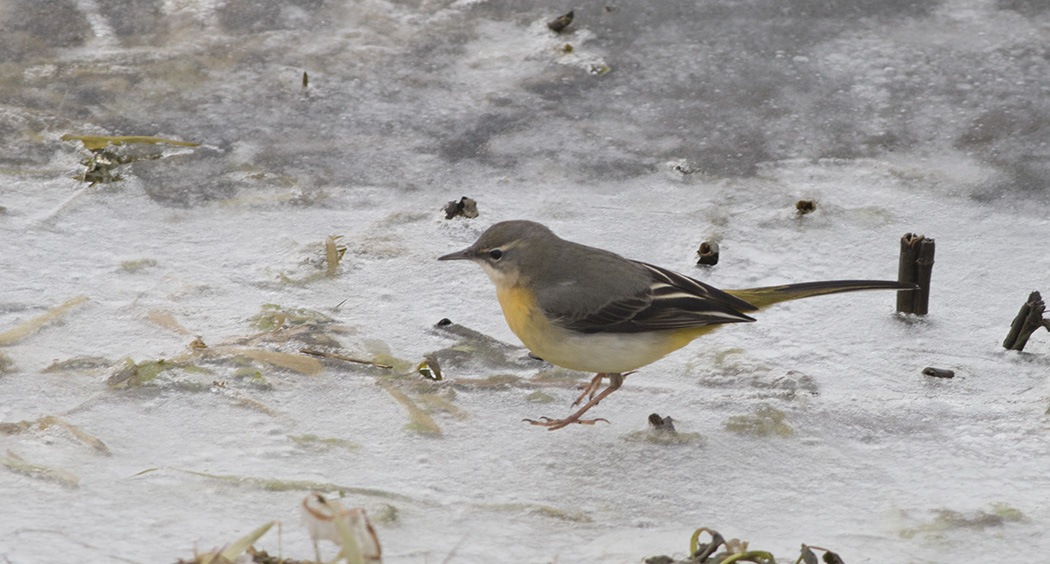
x=769, y=295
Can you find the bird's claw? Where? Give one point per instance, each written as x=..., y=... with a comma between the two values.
x=552, y=424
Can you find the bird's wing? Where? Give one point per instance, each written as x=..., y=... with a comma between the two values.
x=671, y=301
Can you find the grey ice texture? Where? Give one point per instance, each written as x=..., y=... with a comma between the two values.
x=662, y=124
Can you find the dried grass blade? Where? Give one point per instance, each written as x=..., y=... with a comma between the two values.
x=27, y=328
x=331, y=255
x=81, y=435
x=296, y=362
x=14, y=462
x=418, y=419
x=167, y=321
x=277, y=485
x=94, y=142
x=242, y=544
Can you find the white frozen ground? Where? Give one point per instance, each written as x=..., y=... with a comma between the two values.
x=667, y=124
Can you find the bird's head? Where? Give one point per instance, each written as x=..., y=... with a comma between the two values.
x=510, y=251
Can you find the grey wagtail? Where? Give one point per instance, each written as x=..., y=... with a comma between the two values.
x=591, y=310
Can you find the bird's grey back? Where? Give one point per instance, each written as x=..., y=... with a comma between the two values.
x=579, y=279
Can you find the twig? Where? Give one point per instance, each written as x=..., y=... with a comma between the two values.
x=346, y=358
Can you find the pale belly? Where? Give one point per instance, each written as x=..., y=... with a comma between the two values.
x=588, y=352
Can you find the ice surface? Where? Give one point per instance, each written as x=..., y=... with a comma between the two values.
x=665, y=124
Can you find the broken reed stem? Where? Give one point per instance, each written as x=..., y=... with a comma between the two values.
x=915, y=267
x=925, y=273
x=1027, y=321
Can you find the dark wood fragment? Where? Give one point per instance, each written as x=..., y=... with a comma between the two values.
x=805, y=206
x=938, y=372
x=557, y=25
x=924, y=272
x=1028, y=319
x=465, y=207
x=708, y=253
x=661, y=423
x=915, y=267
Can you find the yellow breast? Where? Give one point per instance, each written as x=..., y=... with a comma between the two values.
x=524, y=317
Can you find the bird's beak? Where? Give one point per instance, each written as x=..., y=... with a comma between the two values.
x=465, y=254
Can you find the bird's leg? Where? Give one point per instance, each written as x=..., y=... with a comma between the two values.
x=615, y=381
x=590, y=388
x=595, y=383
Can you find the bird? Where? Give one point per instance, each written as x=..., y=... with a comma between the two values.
x=592, y=310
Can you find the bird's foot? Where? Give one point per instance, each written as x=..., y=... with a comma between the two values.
x=615, y=381
x=552, y=424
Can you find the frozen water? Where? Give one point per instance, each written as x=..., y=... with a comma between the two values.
x=663, y=124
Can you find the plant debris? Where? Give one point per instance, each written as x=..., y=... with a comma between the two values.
x=17, y=464
x=327, y=519
x=949, y=519
x=543, y=511
x=429, y=368
x=232, y=552
x=48, y=421
x=344, y=358
x=662, y=424
x=310, y=440
x=274, y=317
x=661, y=431
x=558, y=24
x=465, y=207
x=418, y=420
x=803, y=207
x=938, y=372
x=137, y=265
x=764, y=422
x=915, y=267
x=296, y=362
x=96, y=142
x=707, y=253
x=1027, y=321
x=29, y=327
x=735, y=550
x=279, y=485
x=167, y=321
x=333, y=253
x=808, y=557
x=134, y=374
x=79, y=363
x=101, y=164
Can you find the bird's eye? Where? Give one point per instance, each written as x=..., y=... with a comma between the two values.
x=495, y=254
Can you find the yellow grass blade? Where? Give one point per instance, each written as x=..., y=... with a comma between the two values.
x=419, y=421
x=29, y=327
x=81, y=435
x=94, y=142
x=14, y=462
x=167, y=321
x=297, y=362
x=242, y=544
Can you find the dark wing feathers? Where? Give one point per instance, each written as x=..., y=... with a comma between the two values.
x=671, y=301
